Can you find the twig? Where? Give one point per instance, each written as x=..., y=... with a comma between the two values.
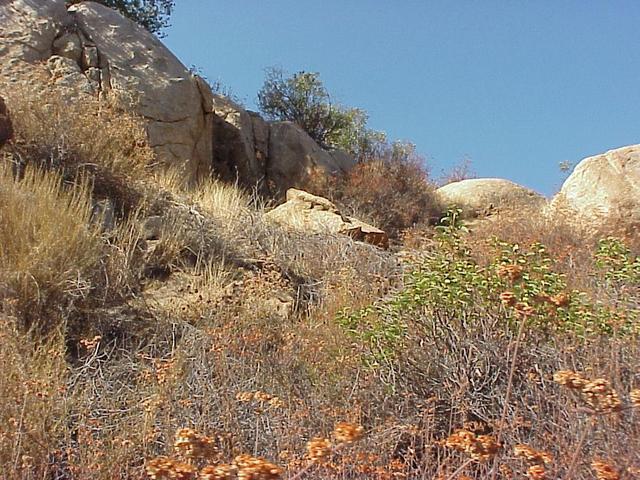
x=507, y=397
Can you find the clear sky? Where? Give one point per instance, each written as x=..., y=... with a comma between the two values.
x=517, y=86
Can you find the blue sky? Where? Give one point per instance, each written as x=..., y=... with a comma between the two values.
x=517, y=86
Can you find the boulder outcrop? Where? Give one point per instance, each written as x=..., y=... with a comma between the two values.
x=240, y=142
x=294, y=156
x=481, y=197
x=89, y=49
x=604, y=188
x=274, y=156
x=92, y=49
x=312, y=214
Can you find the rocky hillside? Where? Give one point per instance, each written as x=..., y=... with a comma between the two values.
x=174, y=306
x=89, y=49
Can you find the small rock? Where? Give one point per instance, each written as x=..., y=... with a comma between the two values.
x=90, y=57
x=104, y=213
x=314, y=214
x=153, y=227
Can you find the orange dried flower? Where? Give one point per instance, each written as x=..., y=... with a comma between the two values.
x=255, y=468
x=512, y=272
x=318, y=448
x=560, y=300
x=536, y=472
x=218, y=472
x=345, y=432
x=524, y=309
x=161, y=468
x=508, y=298
x=532, y=455
x=604, y=471
x=191, y=444
x=634, y=396
x=570, y=379
x=601, y=396
x=479, y=447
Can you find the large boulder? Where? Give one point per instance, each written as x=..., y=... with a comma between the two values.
x=240, y=142
x=92, y=49
x=604, y=188
x=137, y=68
x=480, y=197
x=6, y=127
x=312, y=214
x=294, y=157
x=272, y=156
x=89, y=49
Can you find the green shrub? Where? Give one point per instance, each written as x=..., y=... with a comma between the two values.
x=303, y=99
x=520, y=284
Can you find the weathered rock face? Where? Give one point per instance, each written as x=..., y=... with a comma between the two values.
x=485, y=196
x=6, y=127
x=294, y=156
x=91, y=49
x=272, y=155
x=309, y=213
x=240, y=142
x=136, y=67
x=604, y=187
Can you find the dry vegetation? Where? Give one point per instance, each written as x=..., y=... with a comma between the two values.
x=190, y=339
x=391, y=190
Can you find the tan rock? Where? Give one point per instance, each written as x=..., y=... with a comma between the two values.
x=91, y=49
x=486, y=196
x=142, y=70
x=69, y=46
x=67, y=75
x=240, y=143
x=294, y=156
x=603, y=188
x=312, y=214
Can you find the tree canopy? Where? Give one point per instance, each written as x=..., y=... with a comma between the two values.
x=303, y=99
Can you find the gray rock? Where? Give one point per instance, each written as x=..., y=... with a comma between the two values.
x=90, y=57
x=66, y=74
x=104, y=213
x=153, y=227
x=163, y=90
x=294, y=157
x=234, y=142
x=6, y=126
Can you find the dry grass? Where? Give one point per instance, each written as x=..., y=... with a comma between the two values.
x=81, y=137
x=49, y=248
x=238, y=344
x=392, y=193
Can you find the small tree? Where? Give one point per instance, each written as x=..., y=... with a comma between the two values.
x=151, y=14
x=303, y=99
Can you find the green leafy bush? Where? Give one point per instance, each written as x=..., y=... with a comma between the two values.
x=303, y=99
x=519, y=284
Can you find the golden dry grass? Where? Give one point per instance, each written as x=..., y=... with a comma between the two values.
x=49, y=247
x=238, y=346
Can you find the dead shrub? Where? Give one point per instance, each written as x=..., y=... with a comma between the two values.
x=88, y=137
x=392, y=192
